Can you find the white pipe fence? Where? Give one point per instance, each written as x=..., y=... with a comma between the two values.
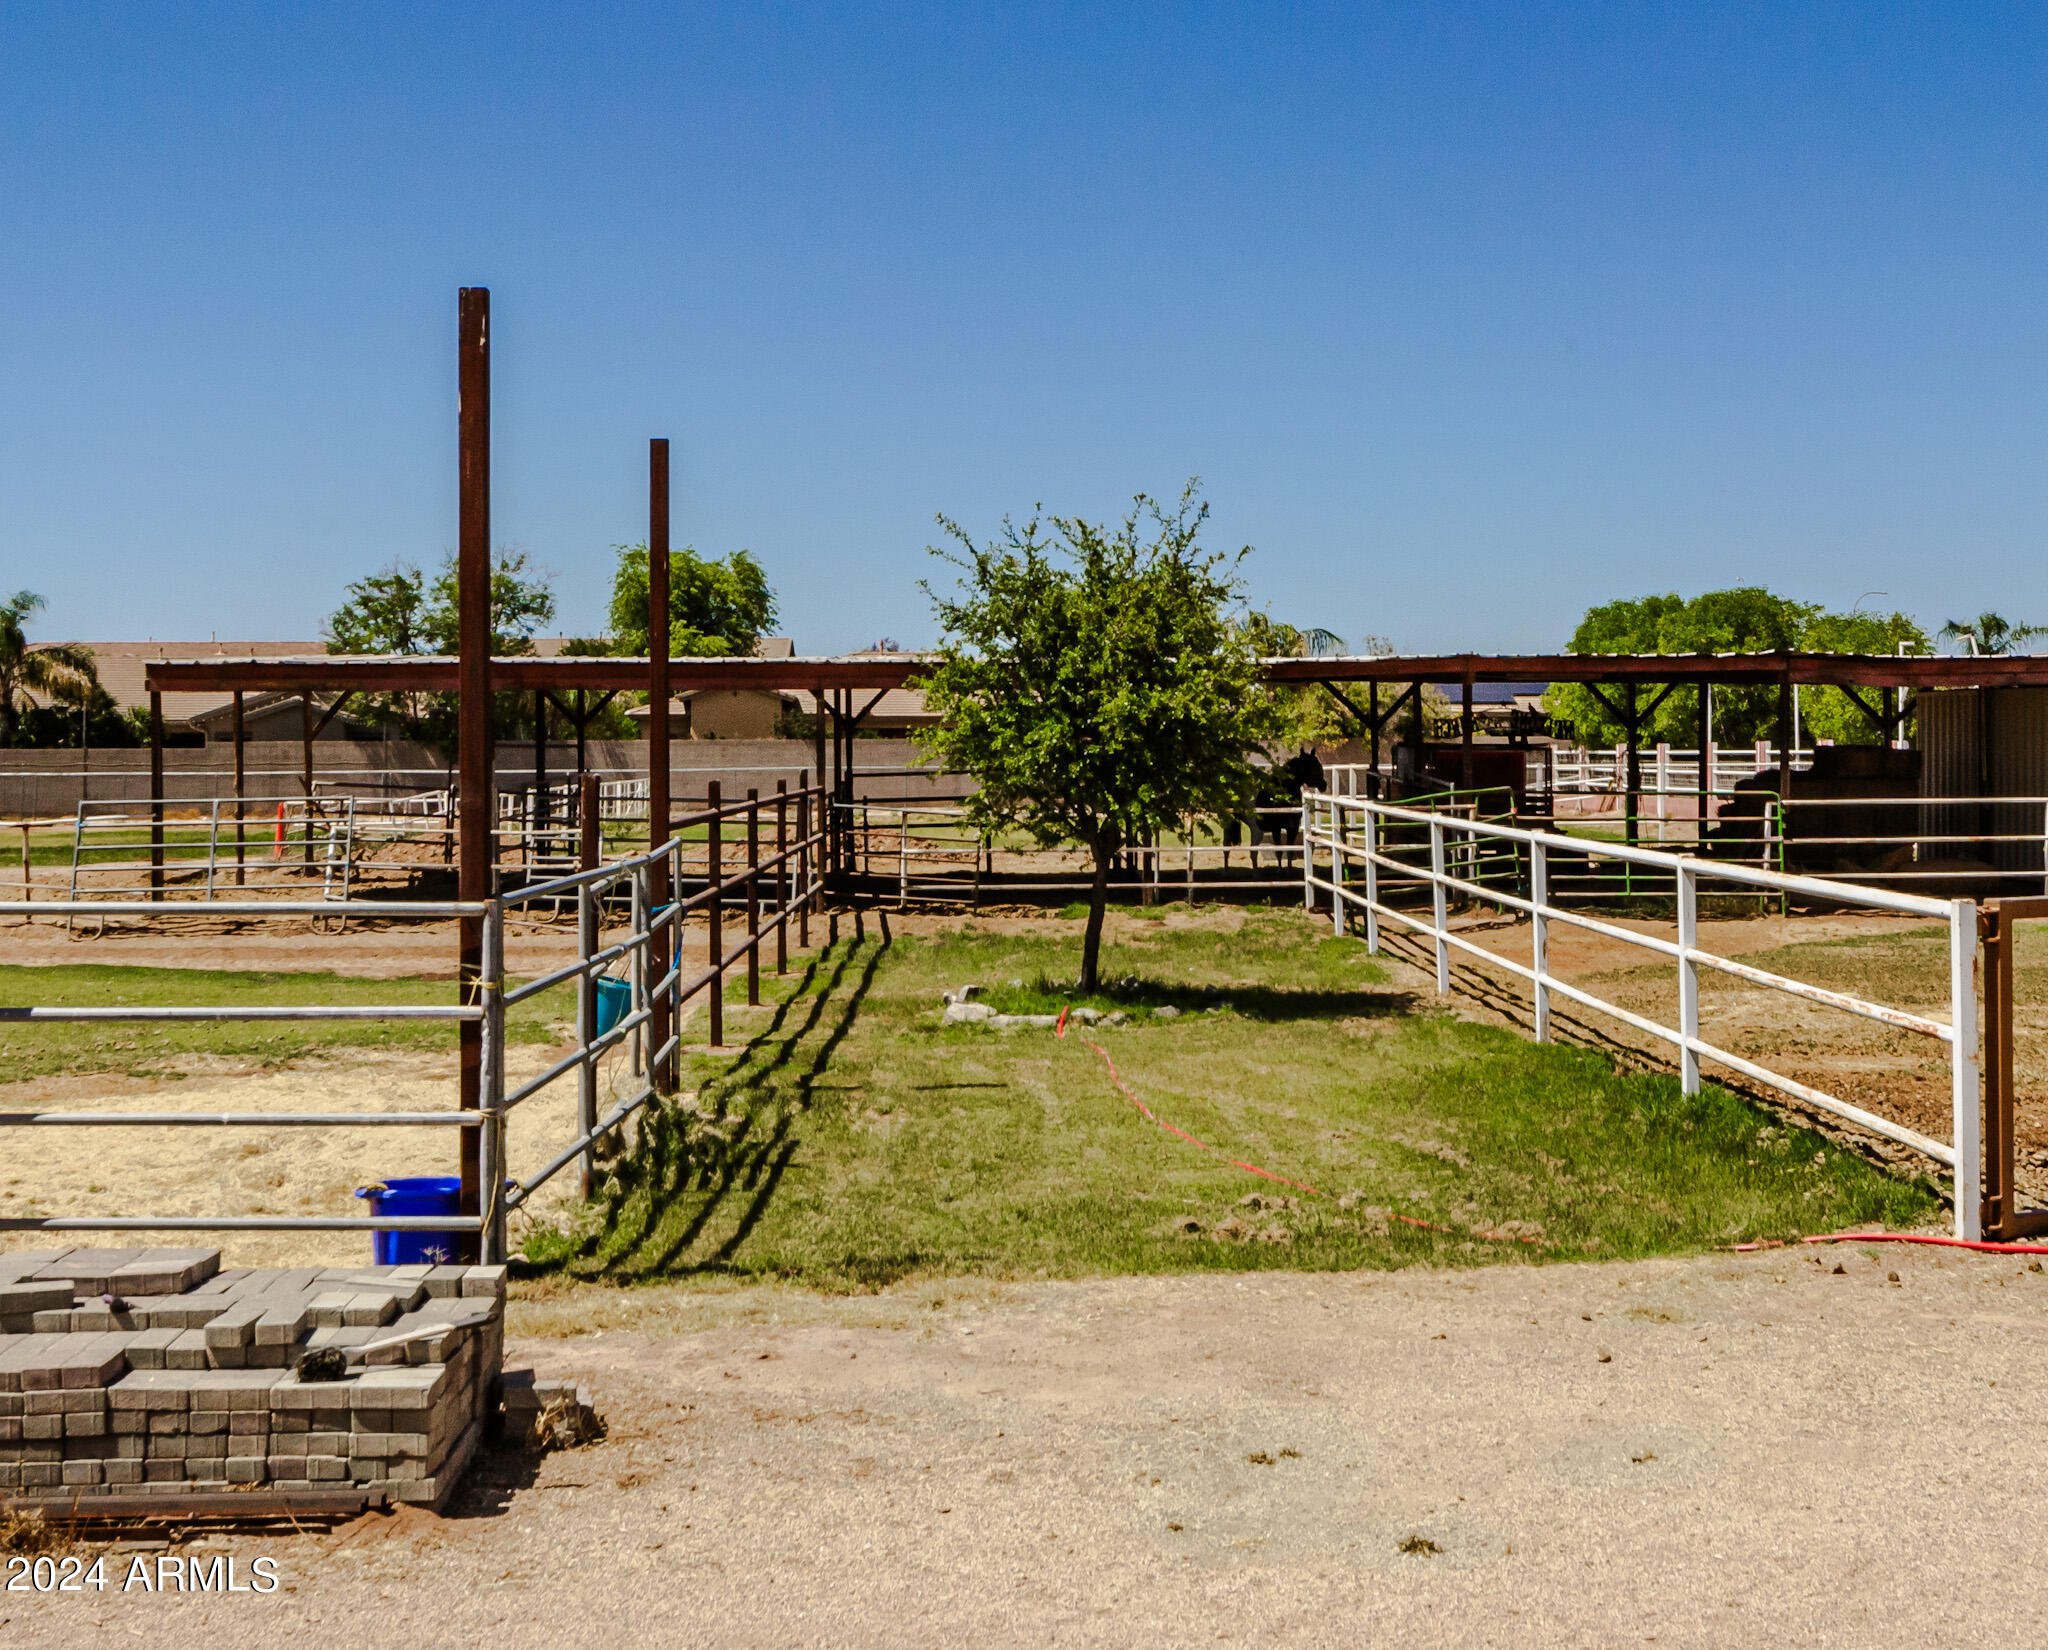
x=1346, y=839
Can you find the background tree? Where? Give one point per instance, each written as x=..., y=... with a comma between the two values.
x=1989, y=633
x=1092, y=681
x=398, y=611
x=717, y=608
x=1747, y=619
x=51, y=670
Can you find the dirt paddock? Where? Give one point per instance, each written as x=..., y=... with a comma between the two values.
x=1731, y=1450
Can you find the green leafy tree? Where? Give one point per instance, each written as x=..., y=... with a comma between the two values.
x=398, y=611
x=1747, y=619
x=1092, y=680
x=51, y=670
x=1989, y=633
x=717, y=607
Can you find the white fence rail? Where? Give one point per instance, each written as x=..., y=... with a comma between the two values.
x=1346, y=837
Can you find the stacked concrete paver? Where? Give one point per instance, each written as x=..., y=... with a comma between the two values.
x=151, y=1371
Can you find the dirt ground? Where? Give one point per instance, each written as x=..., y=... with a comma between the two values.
x=247, y=1171
x=1734, y=1450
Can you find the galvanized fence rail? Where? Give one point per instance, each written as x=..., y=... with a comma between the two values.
x=1345, y=860
x=774, y=881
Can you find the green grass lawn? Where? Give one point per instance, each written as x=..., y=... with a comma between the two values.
x=858, y=1141
x=134, y=1049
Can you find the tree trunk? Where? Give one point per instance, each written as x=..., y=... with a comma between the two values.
x=1098, y=902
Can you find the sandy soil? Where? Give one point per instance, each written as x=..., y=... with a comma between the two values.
x=246, y=1171
x=1769, y=1454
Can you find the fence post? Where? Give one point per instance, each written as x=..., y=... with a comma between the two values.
x=753, y=898
x=1308, y=857
x=1962, y=997
x=1372, y=880
x=714, y=903
x=1539, y=926
x=637, y=965
x=491, y=1149
x=805, y=894
x=903, y=858
x=1688, y=977
x=587, y=823
x=781, y=876
x=586, y=1029
x=1337, y=867
x=1440, y=921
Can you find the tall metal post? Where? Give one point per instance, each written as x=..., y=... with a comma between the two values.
x=714, y=914
x=782, y=876
x=473, y=676
x=541, y=810
x=805, y=861
x=1372, y=884
x=753, y=898
x=657, y=742
x=306, y=770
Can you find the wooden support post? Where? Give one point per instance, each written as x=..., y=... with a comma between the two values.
x=1785, y=736
x=582, y=740
x=658, y=822
x=1704, y=724
x=1465, y=735
x=1372, y=732
x=1632, y=726
x=478, y=795
x=714, y=914
x=753, y=898
x=241, y=788
x=541, y=810
x=156, y=795
x=781, y=876
x=588, y=840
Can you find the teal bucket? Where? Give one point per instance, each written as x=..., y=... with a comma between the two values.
x=614, y=1002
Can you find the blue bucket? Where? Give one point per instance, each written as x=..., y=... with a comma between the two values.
x=614, y=999
x=428, y=1194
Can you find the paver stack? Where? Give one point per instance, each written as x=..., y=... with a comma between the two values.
x=156, y=1371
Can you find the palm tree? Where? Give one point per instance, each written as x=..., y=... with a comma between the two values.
x=56, y=669
x=1990, y=634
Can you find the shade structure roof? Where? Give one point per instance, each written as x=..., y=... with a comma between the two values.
x=877, y=672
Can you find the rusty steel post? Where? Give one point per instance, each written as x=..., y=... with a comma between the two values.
x=805, y=895
x=781, y=876
x=657, y=741
x=477, y=793
x=714, y=913
x=753, y=898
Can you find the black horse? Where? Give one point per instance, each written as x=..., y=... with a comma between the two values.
x=1275, y=813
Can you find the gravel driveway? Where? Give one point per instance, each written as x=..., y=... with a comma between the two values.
x=1737, y=1450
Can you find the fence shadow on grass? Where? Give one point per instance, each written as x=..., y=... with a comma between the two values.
x=725, y=1157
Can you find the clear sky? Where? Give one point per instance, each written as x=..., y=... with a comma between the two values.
x=1468, y=316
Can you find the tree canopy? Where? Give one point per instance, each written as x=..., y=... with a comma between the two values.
x=1091, y=678
x=399, y=611
x=717, y=606
x=53, y=670
x=1991, y=633
x=1748, y=619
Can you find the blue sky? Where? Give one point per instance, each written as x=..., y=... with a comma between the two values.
x=1468, y=316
